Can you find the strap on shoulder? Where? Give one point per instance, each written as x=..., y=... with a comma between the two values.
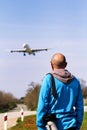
x=53, y=86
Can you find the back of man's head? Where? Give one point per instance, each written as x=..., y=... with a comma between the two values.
x=58, y=60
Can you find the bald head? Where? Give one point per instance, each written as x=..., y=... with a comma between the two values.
x=58, y=60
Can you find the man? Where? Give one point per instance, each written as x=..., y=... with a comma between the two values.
x=69, y=104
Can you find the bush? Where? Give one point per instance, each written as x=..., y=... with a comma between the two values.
x=7, y=101
x=31, y=98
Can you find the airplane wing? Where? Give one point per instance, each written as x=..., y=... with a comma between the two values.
x=36, y=50
x=17, y=51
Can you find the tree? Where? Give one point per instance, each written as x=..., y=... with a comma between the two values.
x=7, y=101
x=32, y=94
x=84, y=87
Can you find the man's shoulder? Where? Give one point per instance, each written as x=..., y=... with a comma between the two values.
x=48, y=75
x=76, y=80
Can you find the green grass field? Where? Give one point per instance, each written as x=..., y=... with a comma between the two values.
x=84, y=125
x=85, y=102
x=29, y=123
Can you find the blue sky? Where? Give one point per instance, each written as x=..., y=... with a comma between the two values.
x=57, y=24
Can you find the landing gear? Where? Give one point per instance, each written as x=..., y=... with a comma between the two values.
x=24, y=54
x=34, y=54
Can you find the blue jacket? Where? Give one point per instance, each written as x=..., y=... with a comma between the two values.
x=68, y=106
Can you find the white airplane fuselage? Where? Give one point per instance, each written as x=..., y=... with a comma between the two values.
x=28, y=49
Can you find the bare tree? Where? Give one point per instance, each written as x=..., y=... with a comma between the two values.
x=31, y=97
x=7, y=101
x=84, y=87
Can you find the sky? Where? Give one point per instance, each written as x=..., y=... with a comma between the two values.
x=57, y=24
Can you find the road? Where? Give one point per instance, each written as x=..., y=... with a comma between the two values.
x=13, y=116
x=85, y=108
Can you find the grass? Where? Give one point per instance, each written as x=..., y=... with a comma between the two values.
x=85, y=102
x=29, y=123
x=84, y=124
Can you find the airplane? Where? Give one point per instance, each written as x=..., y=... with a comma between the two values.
x=27, y=49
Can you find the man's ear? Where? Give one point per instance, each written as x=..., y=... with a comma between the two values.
x=65, y=64
x=52, y=66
